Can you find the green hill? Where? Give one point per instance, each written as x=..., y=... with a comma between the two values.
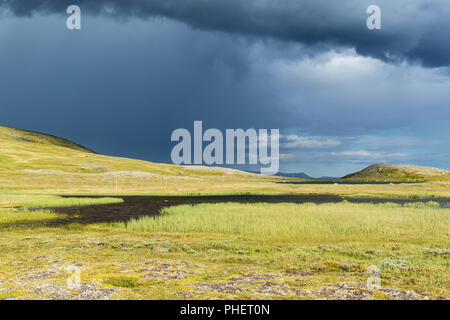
x=399, y=172
x=23, y=151
x=16, y=136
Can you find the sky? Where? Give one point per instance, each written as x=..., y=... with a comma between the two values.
x=343, y=96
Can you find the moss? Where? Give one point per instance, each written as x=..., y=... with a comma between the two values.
x=123, y=282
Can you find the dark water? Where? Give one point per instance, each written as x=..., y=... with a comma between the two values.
x=137, y=206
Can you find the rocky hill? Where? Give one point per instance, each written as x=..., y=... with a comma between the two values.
x=398, y=172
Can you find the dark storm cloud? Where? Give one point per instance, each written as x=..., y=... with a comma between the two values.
x=413, y=30
x=121, y=89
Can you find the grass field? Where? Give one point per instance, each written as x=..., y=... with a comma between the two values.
x=174, y=186
x=43, y=201
x=19, y=209
x=305, y=223
x=229, y=251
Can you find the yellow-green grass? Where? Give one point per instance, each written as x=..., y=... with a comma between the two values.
x=38, y=163
x=190, y=250
x=95, y=185
x=16, y=209
x=306, y=223
x=44, y=201
x=337, y=242
x=12, y=218
x=25, y=153
x=283, y=246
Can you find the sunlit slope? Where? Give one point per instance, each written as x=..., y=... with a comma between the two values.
x=27, y=152
x=35, y=162
x=399, y=172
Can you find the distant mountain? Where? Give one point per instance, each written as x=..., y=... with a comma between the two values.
x=300, y=175
x=398, y=172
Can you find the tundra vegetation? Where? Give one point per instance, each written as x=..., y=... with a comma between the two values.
x=207, y=251
x=231, y=250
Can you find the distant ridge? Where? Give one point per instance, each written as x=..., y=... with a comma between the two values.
x=299, y=175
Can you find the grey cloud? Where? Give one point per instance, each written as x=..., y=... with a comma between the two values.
x=416, y=31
